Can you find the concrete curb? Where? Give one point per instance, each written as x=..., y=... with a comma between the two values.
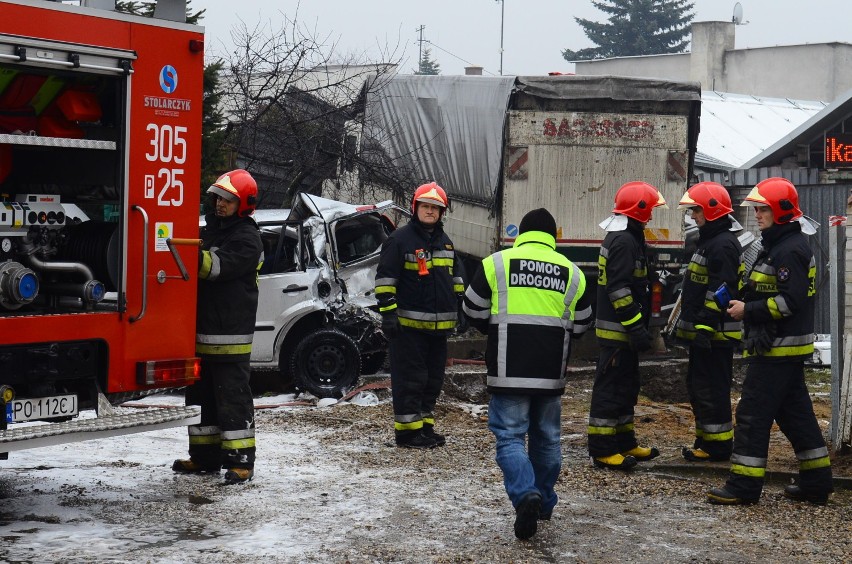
x=721, y=469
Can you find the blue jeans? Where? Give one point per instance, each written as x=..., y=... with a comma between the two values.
x=514, y=417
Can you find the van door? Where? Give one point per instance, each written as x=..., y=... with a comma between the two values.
x=284, y=283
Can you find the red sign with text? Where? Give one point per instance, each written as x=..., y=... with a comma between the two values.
x=838, y=150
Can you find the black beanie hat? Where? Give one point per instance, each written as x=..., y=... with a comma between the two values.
x=538, y=220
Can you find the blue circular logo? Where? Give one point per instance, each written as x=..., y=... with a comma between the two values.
x=512, y=230
x=168, y=79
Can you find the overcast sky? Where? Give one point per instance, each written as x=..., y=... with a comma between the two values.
x=534, y=31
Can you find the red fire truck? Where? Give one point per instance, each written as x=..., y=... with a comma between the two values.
x=100, y=150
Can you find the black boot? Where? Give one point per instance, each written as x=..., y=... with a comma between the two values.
x=192, y=467
x=414, y=439
x=796, y=493
x=721, y=496
x=429, y=432
x=238, y=475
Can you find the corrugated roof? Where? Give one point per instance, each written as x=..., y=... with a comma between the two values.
x=805, y=133
x=737, y=127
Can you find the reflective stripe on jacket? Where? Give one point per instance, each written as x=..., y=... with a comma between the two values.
x=527, y=299
x=780, y=291
x=717, y=259
x=231, y=256
x=430, y=301
x=623, y=297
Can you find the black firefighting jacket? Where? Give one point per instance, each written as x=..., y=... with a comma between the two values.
x=430, y=301
x=231, y=255
x=779, y=292
x=624, y=297
x=717, y=259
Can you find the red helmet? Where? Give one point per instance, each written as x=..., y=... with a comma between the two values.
x=637, y=200
x=237, y=185
x=431, y=194
x=711, y=197
x=780, y=195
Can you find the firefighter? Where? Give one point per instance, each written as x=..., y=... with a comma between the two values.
x=623, y=307
x=419, y=288
x=777, y=311
x=527, y=299
x=708, y=329
x=229, y=259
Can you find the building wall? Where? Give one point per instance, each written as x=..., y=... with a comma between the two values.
x=711, y=41
x=800, y=72
x=669, y=67
x=818, y=71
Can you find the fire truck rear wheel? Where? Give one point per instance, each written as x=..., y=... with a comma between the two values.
x=326, y=363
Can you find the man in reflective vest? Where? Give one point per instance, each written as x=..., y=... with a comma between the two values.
x=419, y=287
x=527, y=299
x=778, y=315
x=704, y=323
x=229, y=259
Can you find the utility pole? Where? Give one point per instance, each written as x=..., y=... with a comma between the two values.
x=420, y=53
x=502, y=14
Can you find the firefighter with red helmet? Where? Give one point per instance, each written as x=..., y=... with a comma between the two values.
x=623, y=307
x=230, y=256
x=419, y=289
x=777, y=311
x=704, y=322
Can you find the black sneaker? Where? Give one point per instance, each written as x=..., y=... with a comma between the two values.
x=193, y=467
x=721, y=496
x=526, y=515
x=416, y=440
x=796, y=493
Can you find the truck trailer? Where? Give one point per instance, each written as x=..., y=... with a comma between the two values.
x=501, y=146
x=100, y=159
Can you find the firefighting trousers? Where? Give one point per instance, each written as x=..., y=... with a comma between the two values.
x=708, y=383
x=225, y=436
x=776, y=391
x=417, y=361
x=614, y=395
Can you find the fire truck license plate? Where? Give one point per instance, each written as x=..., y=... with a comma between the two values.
x=40, y=408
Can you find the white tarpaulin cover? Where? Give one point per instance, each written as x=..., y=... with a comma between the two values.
x=449, y=128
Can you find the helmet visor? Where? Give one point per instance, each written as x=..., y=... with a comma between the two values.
x=218, y=191
x=687, y=203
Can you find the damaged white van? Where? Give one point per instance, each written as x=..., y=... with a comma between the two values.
x=317, y=320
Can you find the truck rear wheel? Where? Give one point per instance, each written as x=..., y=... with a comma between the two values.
x=326, y=363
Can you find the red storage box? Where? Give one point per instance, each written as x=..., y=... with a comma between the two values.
x=50, y=126
x=79, y=105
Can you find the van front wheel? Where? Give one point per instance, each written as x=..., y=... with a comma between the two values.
x=326, y=363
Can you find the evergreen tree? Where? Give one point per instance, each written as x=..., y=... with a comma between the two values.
x=636, y=27
x=427, y=64
x=214, y=153
x=146, y=8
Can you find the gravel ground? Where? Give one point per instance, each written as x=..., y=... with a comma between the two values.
x=330, y=487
